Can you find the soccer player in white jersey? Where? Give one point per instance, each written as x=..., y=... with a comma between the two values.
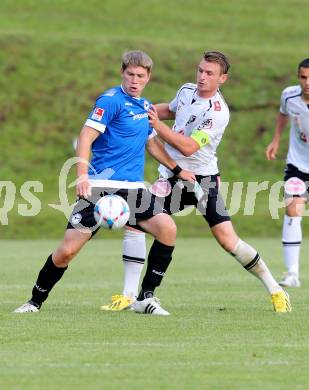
x=294, y=108
x=116, y=132
x=201, y=116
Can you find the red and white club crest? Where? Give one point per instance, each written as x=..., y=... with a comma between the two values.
x=295, y=186
x=217, y=105
x=97, y=114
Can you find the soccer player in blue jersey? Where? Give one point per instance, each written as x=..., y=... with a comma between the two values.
x=116, y=133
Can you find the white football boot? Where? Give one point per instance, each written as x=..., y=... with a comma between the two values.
x=290, y=280
x=149, y=306
x=27, y=307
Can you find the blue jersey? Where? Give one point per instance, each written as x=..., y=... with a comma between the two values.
x=119, y=151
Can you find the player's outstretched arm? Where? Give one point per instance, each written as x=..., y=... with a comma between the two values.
x=157, y=151
x=272, y=149
x=186, y=145
x=164, y=112
x=86, y=138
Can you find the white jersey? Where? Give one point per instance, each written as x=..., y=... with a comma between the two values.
x=210, y=116
x=293, y=105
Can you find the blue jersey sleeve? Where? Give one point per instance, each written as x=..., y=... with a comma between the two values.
x=151, y=132
x=104, y=111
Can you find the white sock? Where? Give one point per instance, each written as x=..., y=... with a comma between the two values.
x=251, y=261
x=133, y=255
x=291, y=241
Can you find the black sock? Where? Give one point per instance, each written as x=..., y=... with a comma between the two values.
x=144, y=295
x=159, y=258
x=48, y=277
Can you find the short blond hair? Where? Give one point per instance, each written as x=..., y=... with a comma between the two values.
x=136, y=58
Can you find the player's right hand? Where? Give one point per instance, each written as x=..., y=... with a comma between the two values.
x=187, y=176
x=83, y=187
x=153, y=117
x=271, y=150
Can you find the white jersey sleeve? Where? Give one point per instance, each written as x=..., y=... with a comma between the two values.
x=174, y=103
x=286, y=95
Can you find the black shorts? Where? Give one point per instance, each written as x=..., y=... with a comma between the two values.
x=297, y=188
x=207, y=199
x=142, y=206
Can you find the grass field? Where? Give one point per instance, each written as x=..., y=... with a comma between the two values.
x=57, y=56
x=222, y=332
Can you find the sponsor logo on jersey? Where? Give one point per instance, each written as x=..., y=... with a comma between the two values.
x=206, y=124
x=191, y=119
x=303, y=137
x=180, y=104
x=217, y=105
x=140, y=116
x=128, y=104
x=97, y=114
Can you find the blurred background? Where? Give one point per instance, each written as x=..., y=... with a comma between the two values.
x=57, y=56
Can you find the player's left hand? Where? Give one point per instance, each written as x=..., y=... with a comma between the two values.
x=187, y=176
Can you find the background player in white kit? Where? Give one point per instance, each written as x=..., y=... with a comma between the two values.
x=294, y=108
x=201, y=116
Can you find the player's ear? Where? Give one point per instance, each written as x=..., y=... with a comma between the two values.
x=223, y=78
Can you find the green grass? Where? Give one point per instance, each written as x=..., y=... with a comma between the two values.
x=222, y=332
x=57, y=56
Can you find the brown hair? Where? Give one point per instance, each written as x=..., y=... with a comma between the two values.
x=220, y=58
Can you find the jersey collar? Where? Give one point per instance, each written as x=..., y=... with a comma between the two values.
x=132, y=97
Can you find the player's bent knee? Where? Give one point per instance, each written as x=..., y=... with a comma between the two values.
x=225, y=235
x=170, y=227
x=172, y=232
x=162, y=227
x=227, y=241
x=228, y=244
x=294, y=211
x=295, y=207
x=64, y=255
x=166, y=228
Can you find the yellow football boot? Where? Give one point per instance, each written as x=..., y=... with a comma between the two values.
x=119, y=302
x=281, y=302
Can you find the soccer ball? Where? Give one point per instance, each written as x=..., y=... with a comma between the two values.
x=111, y=212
